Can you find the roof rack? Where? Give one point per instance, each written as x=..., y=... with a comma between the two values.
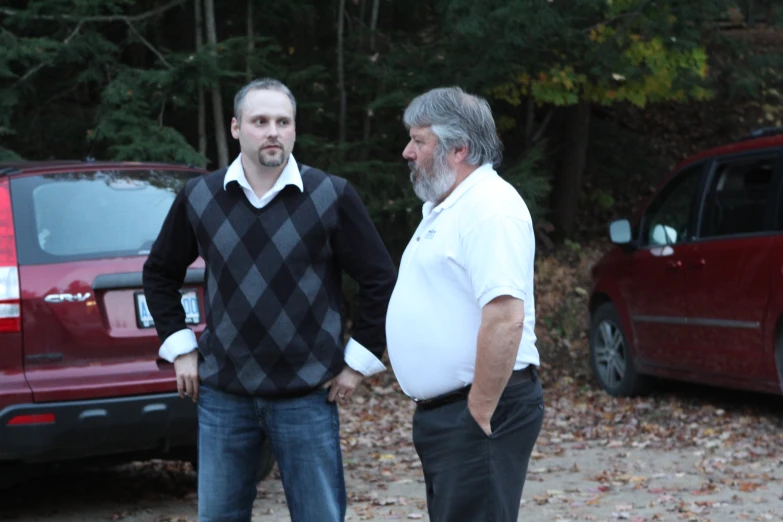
x=763, y=133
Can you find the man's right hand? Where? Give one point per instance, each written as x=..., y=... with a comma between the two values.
x=186, y=369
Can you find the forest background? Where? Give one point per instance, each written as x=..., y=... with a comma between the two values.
x=595, y=100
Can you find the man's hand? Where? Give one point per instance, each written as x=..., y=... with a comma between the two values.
x=482, y=417
x=343, y=386
x=186, y=368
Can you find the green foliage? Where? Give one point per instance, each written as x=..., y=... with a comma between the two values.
x=7, y=154
x=134, y=137
x=601, y=199
x=603, y=52
x=760, y=77
x=76, y=86
x=531, y=179
x=573, y=246
x=777, y=16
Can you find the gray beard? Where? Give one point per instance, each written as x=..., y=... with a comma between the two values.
x=434, y=187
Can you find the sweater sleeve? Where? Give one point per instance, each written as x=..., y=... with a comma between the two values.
x=173, y=252
x=362, y=254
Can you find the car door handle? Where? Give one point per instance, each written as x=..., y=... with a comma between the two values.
x=698, y=264
x=673, y=265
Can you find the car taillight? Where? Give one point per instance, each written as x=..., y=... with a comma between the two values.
x=39, y=418
x=10, y=313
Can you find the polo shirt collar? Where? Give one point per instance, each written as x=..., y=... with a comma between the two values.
x=473, y=179
x=289, y=176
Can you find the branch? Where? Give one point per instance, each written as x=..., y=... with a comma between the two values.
x=44, y=64
x=544, y=125
x=41, y=106
x=99, y=18
x=148, y=44
x=630, y=16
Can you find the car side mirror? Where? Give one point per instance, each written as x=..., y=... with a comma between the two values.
x=620, y=232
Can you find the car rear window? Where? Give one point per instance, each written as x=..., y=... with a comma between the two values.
x=90, y=215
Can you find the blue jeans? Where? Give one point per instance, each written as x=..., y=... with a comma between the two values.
x=305, y=437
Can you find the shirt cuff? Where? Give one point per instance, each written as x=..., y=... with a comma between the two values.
x=361, y=359
x=178, y=343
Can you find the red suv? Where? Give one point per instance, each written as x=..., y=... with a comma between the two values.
x=694, y=288
x=79, y=373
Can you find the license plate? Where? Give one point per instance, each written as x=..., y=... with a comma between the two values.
x=189, y=304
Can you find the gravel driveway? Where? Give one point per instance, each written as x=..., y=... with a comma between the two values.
x=685, y=453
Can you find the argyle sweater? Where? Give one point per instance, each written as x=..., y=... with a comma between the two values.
x=273, y=281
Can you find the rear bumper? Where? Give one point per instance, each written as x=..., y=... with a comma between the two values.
x=98, y=427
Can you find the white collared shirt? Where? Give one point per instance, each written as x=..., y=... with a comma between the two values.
x=184, y=341
x=478, y=244
x=289, y=176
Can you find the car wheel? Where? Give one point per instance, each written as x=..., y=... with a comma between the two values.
x=779, y=356
x=610, y=355
x=265, y=466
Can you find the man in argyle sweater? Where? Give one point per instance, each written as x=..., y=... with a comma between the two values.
x=275, y=236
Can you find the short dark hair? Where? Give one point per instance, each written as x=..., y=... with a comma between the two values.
x=261, y=84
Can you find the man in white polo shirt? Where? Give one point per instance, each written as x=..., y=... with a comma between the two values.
x=460, y=324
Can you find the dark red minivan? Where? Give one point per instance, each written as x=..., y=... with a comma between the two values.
x=78, y=349
x=693, y=289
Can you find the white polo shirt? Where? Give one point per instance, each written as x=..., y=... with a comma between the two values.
x=478, y=244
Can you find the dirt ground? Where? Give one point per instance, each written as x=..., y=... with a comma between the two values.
x=652, y=485
x=691, y=453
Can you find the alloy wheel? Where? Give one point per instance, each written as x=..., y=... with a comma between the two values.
x=609, y=349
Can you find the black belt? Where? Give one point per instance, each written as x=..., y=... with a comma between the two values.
x=519, y=376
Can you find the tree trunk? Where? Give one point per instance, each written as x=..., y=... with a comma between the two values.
x=341, y=72
x=362, y=11
x=568, y=183
x=376, y=5
x=373, y=25
x=530, y=121
x=202, y=106
x=251, y=44
x=217, y=99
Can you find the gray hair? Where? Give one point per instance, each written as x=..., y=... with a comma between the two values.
x=261, y=84
x=458, y=119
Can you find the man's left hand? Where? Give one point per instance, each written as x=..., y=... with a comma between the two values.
x=343, y=386
x=482, y=418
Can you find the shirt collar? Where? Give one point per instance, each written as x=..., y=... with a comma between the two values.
x=289, y=176
x=473, y=179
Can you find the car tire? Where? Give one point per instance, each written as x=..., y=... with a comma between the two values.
x=779, y=356
x=265, y=466
x=610, y=355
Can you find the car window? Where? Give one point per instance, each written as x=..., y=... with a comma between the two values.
x=738, y=198
x=90, y=215
x=668, y=218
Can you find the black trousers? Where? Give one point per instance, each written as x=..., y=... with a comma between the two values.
x=469, y=476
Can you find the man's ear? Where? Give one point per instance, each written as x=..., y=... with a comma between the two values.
x=235, y=128
x=461, y=154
